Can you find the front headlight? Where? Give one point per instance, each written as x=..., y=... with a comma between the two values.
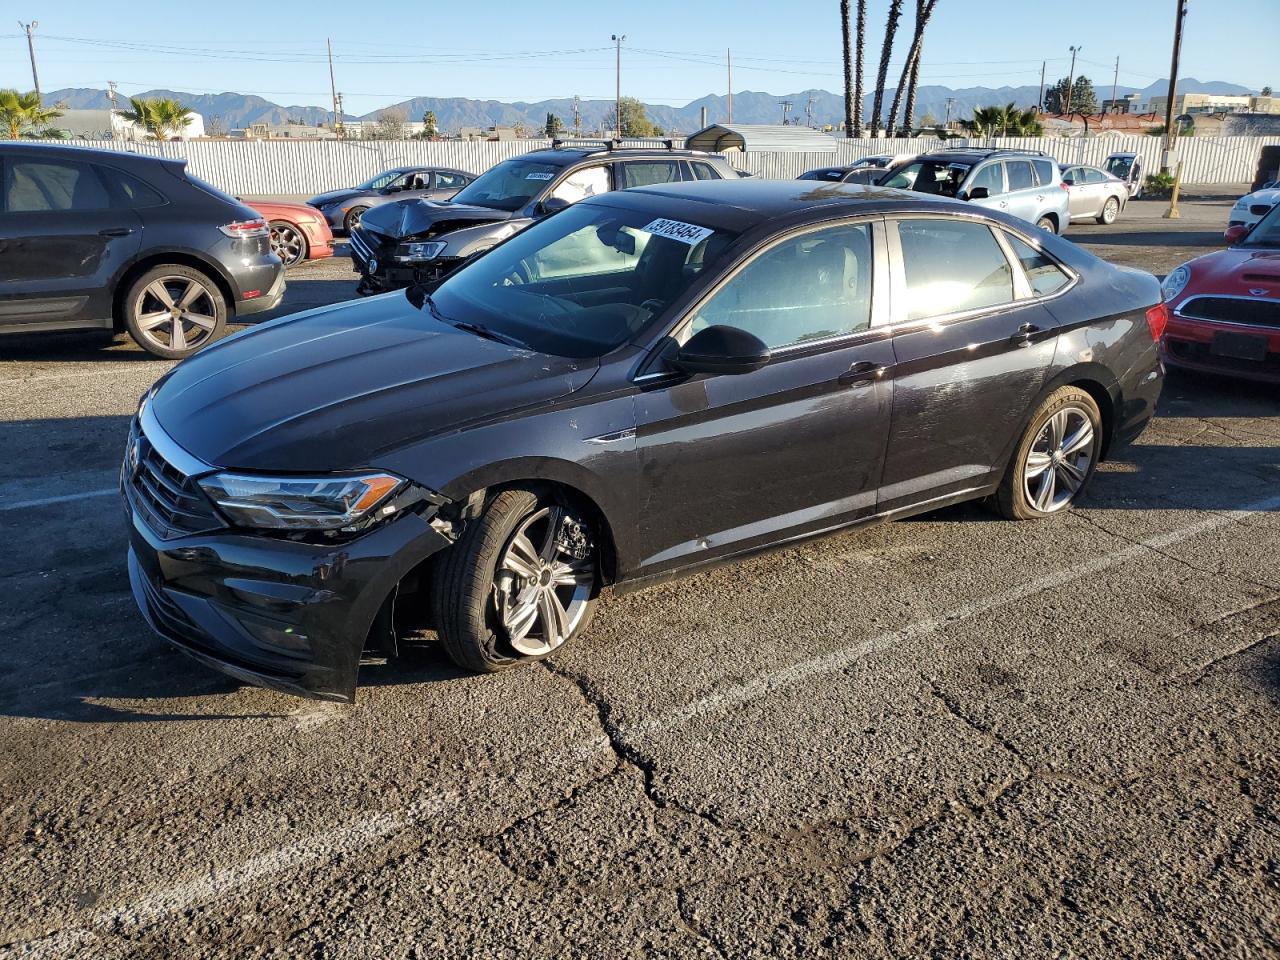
x=416, y=252
x=1176, y=282
x=301, y=503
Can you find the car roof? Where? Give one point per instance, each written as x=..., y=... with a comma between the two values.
x=978, y=154
x=565, y=155
x=85, y=153
x=739, y=204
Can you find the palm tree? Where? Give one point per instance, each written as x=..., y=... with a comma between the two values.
x=18, y=110
x=848, y=70
x=1006, y=121
x=891, y=28
x=911, y=68
x=860, y=56
x=158, y=116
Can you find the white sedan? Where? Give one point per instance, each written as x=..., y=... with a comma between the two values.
x=1252, y=207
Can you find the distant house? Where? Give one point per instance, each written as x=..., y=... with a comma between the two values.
x=721, y=137
x=299, y=131
x=1099, y=124
x=111, y=125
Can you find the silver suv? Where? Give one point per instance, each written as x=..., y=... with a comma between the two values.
x=1025, y=184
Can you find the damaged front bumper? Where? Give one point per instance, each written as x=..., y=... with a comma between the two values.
x=273, y=612
x=380, y=273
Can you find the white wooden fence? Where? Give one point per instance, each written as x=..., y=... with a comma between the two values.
x=305, y=167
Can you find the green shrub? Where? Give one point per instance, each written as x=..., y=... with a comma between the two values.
x=1158, y=185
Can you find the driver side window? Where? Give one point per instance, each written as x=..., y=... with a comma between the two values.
x=990, y=177
x=808, y=288
x=582, y=184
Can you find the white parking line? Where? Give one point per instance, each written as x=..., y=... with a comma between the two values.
x=362, y=834
x=64, y=498
x=79, y=375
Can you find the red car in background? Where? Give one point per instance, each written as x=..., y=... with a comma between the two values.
x=1225, y=306
x=298, y=232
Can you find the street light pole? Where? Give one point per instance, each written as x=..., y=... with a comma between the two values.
x=617, y=101
x=31, y=49
x=1173, y=77
x=1071, y=78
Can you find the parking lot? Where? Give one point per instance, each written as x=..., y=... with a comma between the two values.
x=951, y=736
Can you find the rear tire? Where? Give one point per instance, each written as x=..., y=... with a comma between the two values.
x=1046, y=223
x=171, y=311
x=506, y=593
x=1110, y=210
x=1055, y=459
x=352, y=219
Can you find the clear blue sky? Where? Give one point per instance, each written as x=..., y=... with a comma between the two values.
x=674, y=50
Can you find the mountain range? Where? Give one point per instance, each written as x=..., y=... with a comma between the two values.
x=239, y=110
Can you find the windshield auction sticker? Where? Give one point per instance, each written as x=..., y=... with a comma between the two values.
x=538, y=175
x=676, y=230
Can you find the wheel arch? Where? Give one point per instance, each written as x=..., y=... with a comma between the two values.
x=1093, y=379
x=179, y=258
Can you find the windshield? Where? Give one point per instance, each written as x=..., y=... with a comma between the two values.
x=1267, y=231
x=508, y=186
x=381, y=180
x=930, y=176
x=582, y=282
x=1120, y=167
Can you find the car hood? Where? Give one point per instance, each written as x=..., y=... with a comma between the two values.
x=1234, y=272
x=423, y=219
x=336, y=388
x=333, y=196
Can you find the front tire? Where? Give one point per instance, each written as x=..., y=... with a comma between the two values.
x=288, y=243
x=172, y=311
x=521, y=581
x=352, y=219
x=1110, y=210
x=1055, y=459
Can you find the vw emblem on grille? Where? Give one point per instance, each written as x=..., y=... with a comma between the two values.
x=135, y=457
x=1258, y=292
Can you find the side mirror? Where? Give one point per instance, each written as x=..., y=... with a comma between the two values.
x=978, y=193
x=1237, y=233
x=554, y=205
x=720, y=349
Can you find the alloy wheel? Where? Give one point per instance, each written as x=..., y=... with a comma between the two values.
x=287, y=243
x=177, y=313
x=1058, y=462
x=1110, y=210
x=544, y=581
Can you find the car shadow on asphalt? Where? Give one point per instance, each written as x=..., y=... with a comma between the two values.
x=1199, y=238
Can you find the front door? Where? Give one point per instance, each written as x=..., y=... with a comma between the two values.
x=972, y=350
x=62, y=242
x=732, y=462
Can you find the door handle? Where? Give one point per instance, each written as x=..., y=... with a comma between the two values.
x=115, y=232
x=1025, y=332
x=861, y=372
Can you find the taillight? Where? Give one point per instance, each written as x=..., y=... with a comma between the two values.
x=1157, y=320
x=1065, y=186
x=246, y=228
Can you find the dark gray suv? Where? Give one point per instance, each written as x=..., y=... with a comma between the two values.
x=105, y=240
x=407, y=240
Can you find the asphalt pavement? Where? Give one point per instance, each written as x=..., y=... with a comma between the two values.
x=952, y=736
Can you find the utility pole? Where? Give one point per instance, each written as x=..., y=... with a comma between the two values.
x=1115, y=80
x=1071, y=78
x=951, y=103
x=1040, y=103
x=1173, y=80
x=786, y=106
x=333, y=89
x=808, y=111
x=340, y=131
x=577, y=116
x=617, y=102
x=728, y=54
x=111, y=93
x=31, y=49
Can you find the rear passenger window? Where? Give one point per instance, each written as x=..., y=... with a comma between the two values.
x=1043, y=274
x=642, y=173
x=1019, y=174
x=952, y=266
x=1044, y=172
x=989, y=177
x=808, y=288
x=703, y=171
x=31, y=186
x=128, y=191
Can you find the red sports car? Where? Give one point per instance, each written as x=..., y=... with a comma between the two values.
x=1225, y=307
x=298, y=232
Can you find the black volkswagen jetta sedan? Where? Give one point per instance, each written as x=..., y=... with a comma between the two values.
x=645, y=383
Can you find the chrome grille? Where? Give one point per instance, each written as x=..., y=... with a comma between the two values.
x=1246, y=310
x=172, y=504
x=361, y=246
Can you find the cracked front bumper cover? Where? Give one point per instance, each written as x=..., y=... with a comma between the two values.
x=272, y=612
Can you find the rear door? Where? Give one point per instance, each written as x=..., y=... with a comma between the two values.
x=63, y=240
x=643, y=173
x=417, y=184
x=1025, y=197
x=973, y=343
x=1078, y=192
